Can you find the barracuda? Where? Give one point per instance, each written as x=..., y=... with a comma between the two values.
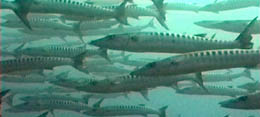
x=121, y=110
x=31, y=78
x=201, y=61
x=124, y=84
x=213, y=90
x=62, y=51
x=135, y=12
x=75, y=7
x=171, y=43
x=32, y=63
x=39, y=22
x=230, y=5
x=218, y=77
x=49, y=102
x=252, y=86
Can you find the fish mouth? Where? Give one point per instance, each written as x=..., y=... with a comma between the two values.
x=227, y=104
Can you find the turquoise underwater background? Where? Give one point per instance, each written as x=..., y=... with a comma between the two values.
x=179, y=105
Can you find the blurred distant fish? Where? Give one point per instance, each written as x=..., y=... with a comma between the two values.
x=49, y=103
x=179, y=6
x=39, y=22
x=30, y=78
x=124, y=110
x=75, y=7
x=248, y=102
x=105, y=31
x=135, y=12
x=229, y=76
x=213, y=90
x=201, y=61
x=171, y=43
x=229, y=25
x=230, y=5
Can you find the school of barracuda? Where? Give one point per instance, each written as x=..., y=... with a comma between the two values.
x=78, y=74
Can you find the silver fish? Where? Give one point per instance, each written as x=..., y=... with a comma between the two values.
x=201, y=61
x=170, y=42
x=75, y=7
x=217, y=77
x=229, y=25
x=213, y=90
x=230, y=5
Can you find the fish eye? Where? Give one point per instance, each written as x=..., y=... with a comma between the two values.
x=243, y=98
x=134, y=38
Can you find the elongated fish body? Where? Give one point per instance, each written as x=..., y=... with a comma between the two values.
x=39, y=22
x=213, y=90
x=66, y=7
x=229, y=25
x=121, y=110
x=33, y=89
x=129, y=83
x=74, y=7
x=53, y=51
x=31, y=63
x=201, y=61
x=92, y=25
x=162, y=43
x=178, y=6
x=48, y=102
x=217, y=77
x=247, y=102
x=31, y=78
x=230, y=5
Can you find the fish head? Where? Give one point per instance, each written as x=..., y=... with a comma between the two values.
x=24, y=107
x=249, y=86
x=115, y=41
x=32, y=51
x=207, y=23
x=11, y=23
x=243, y=102
x=27, y=98
x=163, y=67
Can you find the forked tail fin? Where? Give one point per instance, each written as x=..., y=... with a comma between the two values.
x=247, y=74
x=22, y=9
x=163, y=111
x=120, y=13
x=245, y=36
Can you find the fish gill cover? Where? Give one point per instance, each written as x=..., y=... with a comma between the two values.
x=165, y=58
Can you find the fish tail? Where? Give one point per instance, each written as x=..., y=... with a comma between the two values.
x=245, y=36
x=159, y=4
x=120, y=13
x=247, y=73
x=162, y=22
x=163, y=111
x=77, y=30
x=103, y=53
x=21, y=9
